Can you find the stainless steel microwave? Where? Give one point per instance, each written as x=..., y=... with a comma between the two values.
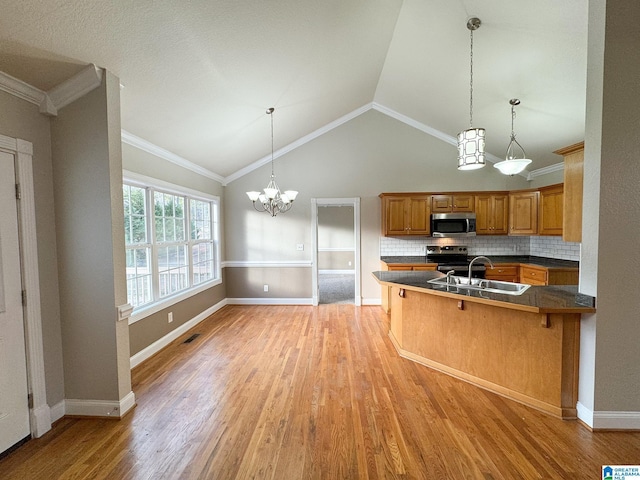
x=453, y=224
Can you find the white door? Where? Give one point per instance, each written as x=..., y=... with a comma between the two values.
x=14, y=409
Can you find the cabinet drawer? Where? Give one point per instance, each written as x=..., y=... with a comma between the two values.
x=426, y=266
x=506, y=271
x=399, y=267
x=533, y=275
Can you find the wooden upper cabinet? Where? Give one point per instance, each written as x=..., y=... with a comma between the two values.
x=452, y=203
x=550, y=210
x=492, y=214
x=523, y=213
x=573, y=184
x=405, y=214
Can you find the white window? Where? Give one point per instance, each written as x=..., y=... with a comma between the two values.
x=171, y=240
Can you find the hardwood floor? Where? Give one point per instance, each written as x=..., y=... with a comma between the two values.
x=297, y=392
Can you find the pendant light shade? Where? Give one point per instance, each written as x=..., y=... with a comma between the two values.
x=272, y=200
x=471, y=149
x=513, y=164
x=471, y=141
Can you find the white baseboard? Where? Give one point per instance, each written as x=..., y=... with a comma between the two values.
x=100, y=408
x=371, y=301
x=603, y=420
x=158, y=345
x=57, y=411
x=616, y=420
x=40, y=420
x=336, y=272
x=270, y=301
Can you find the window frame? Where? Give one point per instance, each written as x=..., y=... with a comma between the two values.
x=152, y=185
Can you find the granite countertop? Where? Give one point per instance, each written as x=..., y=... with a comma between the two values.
x=527, y=259
x=537, y=299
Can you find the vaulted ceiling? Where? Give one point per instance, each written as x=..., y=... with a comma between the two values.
x=198, y=76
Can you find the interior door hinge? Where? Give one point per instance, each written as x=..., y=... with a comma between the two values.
x=17, y=191
x=30, y=400
x=24, y=298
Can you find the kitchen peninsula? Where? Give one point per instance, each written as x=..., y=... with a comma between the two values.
x=524, y=347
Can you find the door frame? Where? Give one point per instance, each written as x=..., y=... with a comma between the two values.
x=335, y=202
x=39, y=411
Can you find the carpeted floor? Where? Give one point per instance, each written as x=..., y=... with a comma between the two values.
x=336, y=288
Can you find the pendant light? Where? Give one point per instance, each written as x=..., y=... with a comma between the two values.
x=471, y=141
x=513, y=165
x=272, y=201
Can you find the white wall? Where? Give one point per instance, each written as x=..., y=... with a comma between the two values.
x=609, y=353
x=369, y=155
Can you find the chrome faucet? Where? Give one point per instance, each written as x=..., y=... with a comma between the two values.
x=472, y=261
x=449, y=275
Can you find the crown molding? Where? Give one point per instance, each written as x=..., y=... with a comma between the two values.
x=556, y=167
x=20, y=89
x=298, y=143
x=59, y=96
x=144, y=145
x=75, y=87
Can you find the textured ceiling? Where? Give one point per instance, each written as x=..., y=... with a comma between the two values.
x=199, y=75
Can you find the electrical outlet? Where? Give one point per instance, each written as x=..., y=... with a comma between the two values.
x=170, y=317
x=266, y=287
x=349, y=262
x=300, y=246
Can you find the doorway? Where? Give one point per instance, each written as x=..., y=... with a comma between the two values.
x=14, y=408
x=336, y=250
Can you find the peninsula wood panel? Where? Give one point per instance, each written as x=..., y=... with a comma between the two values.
x=386, y=291
x=506, y=351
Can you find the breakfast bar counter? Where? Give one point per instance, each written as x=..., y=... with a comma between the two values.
x=524, y=347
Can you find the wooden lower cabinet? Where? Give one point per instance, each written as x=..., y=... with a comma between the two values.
x=503, y=272
x=534, y=275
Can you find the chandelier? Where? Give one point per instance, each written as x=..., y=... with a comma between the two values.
x=471, y=141
x=271, y=200
x=513, y=165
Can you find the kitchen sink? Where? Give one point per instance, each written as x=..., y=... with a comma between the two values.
x=493, y=286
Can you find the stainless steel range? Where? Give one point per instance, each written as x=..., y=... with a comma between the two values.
x=453, y=257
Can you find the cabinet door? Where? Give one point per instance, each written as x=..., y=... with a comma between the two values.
x=394, y=216
x=441, y=203
x=419, y=216
x=500, y=214
x=550, y=210
x=523, y=213
x=463, y=203
x=483, y=215
x=573, y=182
x=492, y=214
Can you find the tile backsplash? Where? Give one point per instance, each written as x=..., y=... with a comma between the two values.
x=551, y=247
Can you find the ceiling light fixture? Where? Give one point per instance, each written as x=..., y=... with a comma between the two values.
x=471, y=141
x=272, y=201
x=513, y=165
